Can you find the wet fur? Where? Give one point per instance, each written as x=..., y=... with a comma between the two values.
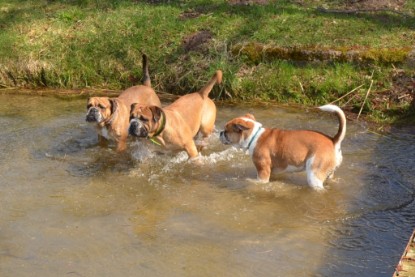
x=111, y=115
x=277, y=150
x=185, y=117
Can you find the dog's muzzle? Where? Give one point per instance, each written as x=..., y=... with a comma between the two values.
x=137, y=129
x=223, y=138
x=93, y=115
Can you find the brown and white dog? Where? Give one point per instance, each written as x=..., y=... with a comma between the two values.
x=277, y=151
x=176, y=125
x=111, y=115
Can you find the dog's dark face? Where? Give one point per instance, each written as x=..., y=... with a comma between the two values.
x=99, y=109
x=237, y=130
x=144, y=121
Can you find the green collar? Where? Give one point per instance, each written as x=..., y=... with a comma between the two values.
x=155, y=141
x=153, y=138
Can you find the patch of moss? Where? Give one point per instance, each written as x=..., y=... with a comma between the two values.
x=253, y=51
x=386, y=56
x=257, y=52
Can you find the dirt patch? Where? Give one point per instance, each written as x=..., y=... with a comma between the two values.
x=355, y=5
x=396, y=102
x=189, y=14
x=247, y=2
x=401, y=94
x=196, y=41
x=373, y=4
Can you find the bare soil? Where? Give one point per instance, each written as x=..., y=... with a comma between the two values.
x=248, y=2
x=196, y=41
x=345, y=4
x=373, y=4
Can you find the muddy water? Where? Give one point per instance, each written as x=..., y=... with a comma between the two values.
x=69, y=207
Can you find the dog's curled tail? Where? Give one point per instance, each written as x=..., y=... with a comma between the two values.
x=146, y=76
x=216, y=78
x=338, y=138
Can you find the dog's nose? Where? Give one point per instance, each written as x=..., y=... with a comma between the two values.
x=90, y=117
x=223, y=138
x=132, y=130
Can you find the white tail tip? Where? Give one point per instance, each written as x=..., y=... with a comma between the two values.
x=330, y=108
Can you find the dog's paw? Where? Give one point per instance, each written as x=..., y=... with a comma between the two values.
x=334, y=180
x=197, y=160
x=319, y=189
x=257, y=181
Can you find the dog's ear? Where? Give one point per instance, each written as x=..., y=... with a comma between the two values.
x=239, y=128
x=88, y=103
x=114, y=105
x=156, y=111
x=132, y=107
x=250, y=116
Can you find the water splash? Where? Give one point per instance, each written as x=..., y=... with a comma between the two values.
x=225, y=155
x=142, y=150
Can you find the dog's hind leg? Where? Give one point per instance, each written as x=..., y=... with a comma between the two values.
x=207, y=123
x=331, y=175
x=313, y=181
x=314, y=178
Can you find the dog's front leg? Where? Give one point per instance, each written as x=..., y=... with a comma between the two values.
x=102, y=141
x=121, y=144
x=263, y=167
x=191, y=149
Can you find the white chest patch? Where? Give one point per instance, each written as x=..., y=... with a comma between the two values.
x=250, y=142
x=104, y=132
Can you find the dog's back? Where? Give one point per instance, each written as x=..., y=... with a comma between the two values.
x=142, y=94
x=198, y=107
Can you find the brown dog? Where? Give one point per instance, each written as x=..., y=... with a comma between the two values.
x=176, y=125
x=111, y=115
x=288, y=150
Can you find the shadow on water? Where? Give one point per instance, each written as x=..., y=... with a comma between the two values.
x=372, y=241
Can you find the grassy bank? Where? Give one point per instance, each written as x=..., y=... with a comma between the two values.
x=75, y=44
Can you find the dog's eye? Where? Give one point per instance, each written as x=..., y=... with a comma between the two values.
x=101, y=106
x=142, y=118
x=236, y=128
x=88, y=106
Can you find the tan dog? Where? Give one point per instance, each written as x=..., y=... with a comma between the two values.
x=288, y=150
x=111, y=115
x=176, y=125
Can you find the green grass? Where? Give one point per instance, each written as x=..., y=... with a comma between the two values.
x=98, y=44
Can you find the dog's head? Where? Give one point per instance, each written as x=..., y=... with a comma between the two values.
x=100, y=109
x=238, y=130
x=144, y=121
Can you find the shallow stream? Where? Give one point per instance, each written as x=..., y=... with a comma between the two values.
x=69, y=207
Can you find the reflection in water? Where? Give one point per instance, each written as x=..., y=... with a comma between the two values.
x=70, y=207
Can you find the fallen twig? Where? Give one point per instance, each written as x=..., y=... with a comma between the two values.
x=403, y=96
x=301, y=86
x=364, y=101
x=350, y=99
x=353, y=90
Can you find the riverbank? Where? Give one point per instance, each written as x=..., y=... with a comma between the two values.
x=292, y=52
